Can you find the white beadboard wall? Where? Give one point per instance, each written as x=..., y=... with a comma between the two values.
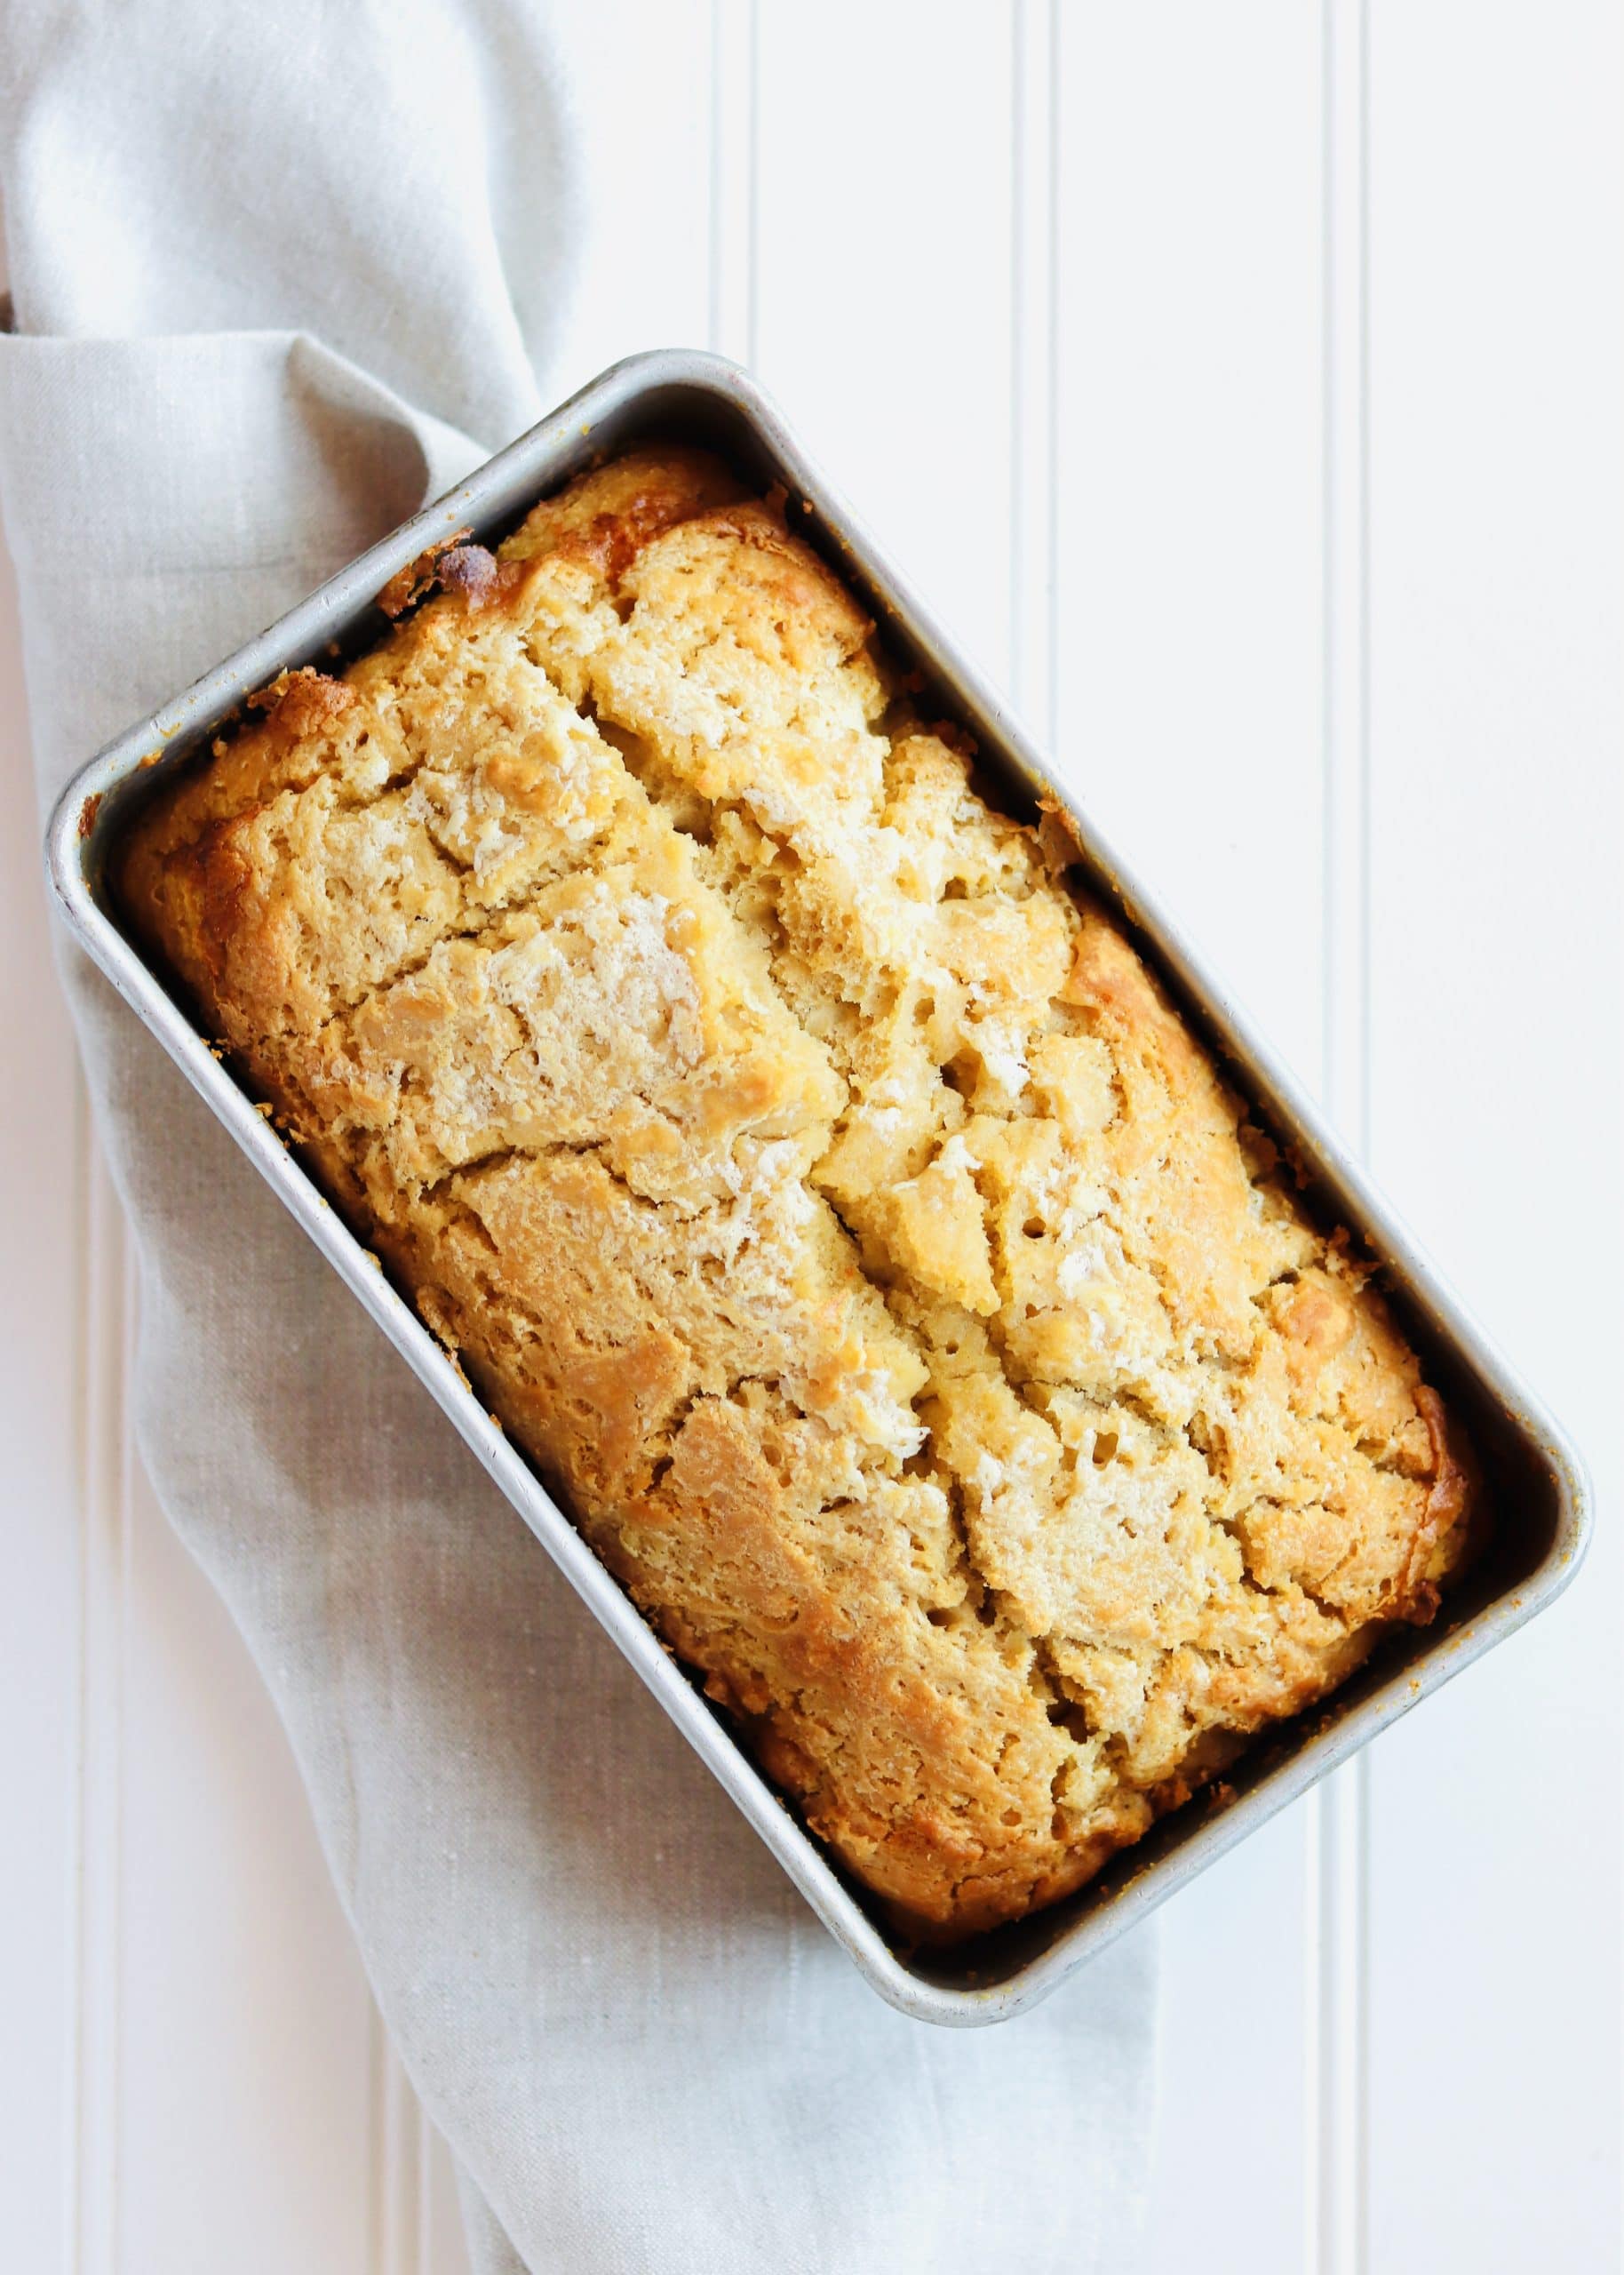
x=1244, y=383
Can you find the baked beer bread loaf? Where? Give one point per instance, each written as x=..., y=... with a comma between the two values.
x=812, y=1181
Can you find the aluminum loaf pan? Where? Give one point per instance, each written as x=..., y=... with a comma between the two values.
x=1540, y=1496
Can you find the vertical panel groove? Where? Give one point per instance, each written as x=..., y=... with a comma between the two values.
x=73, y=2112
x=105, y=1329
x=1051, y=721
x=1034, y=348
x=734, y=76
x=1337, y=2082
x=72, y=2115
x=423, y=2149
x=399, y=2162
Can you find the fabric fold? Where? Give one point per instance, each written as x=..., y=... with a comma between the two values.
x=263, y=316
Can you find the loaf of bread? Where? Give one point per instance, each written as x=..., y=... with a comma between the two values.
x=815, y=1184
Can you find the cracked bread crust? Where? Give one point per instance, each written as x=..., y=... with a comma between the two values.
x=817, y=1188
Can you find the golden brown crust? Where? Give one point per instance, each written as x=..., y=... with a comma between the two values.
x=821, y=1192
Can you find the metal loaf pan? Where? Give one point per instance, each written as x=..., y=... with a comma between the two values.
x=1539, y=1496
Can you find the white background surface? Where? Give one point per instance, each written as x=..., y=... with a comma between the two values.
x=1246, y=384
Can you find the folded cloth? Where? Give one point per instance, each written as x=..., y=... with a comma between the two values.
x=281, y=274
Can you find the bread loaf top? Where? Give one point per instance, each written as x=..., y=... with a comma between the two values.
x=816, y=1186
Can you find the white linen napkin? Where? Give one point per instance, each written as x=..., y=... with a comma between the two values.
x=280, y=274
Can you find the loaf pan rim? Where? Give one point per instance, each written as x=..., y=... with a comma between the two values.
x=536, y=462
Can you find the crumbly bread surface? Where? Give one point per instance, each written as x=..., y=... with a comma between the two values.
x=818, y=1189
